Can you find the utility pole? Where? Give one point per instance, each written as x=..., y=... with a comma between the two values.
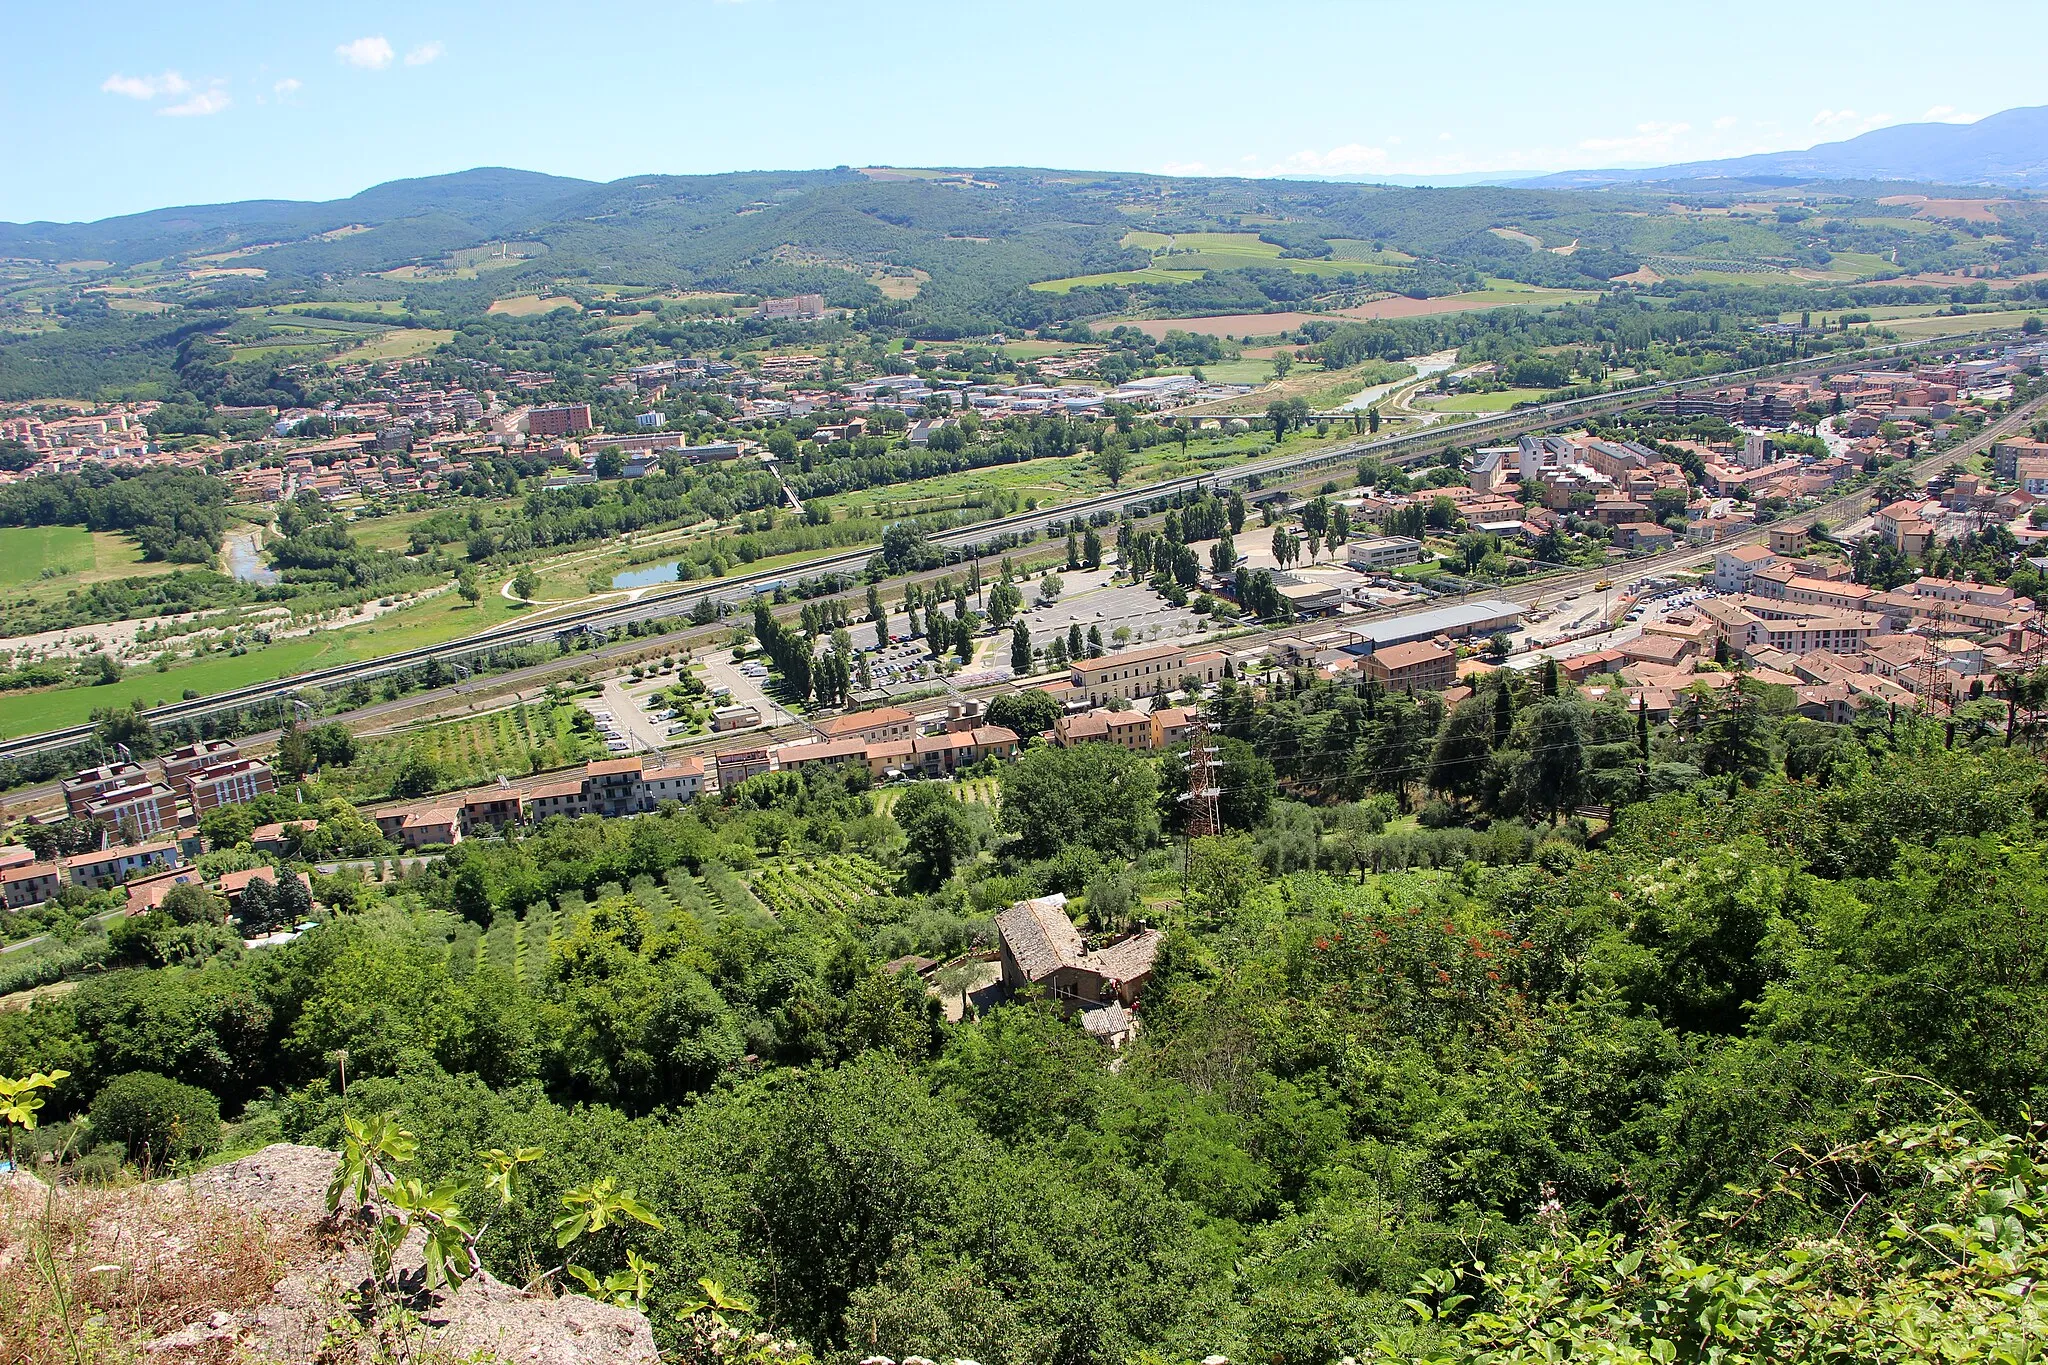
x=1203, y=790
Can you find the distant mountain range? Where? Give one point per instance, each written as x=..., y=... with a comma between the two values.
x=2008, y=149
x=467, y=206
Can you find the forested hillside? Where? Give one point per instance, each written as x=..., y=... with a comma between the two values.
x=103, y=309
x=1662, y=1092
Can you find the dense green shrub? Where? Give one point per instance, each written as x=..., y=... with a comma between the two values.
x=155, y=1119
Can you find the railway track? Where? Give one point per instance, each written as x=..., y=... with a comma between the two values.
x=1403, y=449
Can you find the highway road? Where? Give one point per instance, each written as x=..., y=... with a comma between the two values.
x=1402, y=449
x=456, y=698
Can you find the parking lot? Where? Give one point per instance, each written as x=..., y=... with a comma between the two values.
x=720, y=671
x=1142, y=614
x=623, y=720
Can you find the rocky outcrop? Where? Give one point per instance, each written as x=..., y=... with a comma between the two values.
x=324, y=1302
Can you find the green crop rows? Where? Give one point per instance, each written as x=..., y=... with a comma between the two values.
x=512, y=742
x=828, y=885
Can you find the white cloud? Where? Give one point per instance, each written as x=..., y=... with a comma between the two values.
x=209, y=101
x=1947, y=113
x=1445, y=137
x=424, y=53
x=371, y=54
x=286, y=88
x=1849, y=121
x=145, y=87
x=1353, y=158
x=1726, y=121
x=1649, y=140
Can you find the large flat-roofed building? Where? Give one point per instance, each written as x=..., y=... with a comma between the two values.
x=882, y=723
x=87, y=785
x=229, y=784
x=141, y=809
x=561, y=420
x=1482, y=616
x=794, y=306
x=1383, y=552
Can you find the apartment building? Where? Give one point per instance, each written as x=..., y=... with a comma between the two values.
x=565, y=419
x=228, y=784
x=1734, y=567
x=87, y=785
x=181, y=763
x=1125, y=729
x=1135, y=730
x=141, y=809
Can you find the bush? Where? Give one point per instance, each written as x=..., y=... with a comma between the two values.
x=155, y=1118
x=1437, y=815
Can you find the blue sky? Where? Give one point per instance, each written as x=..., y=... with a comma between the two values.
x=116, y=107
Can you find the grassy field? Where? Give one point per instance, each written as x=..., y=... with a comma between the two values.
x=526, y=305
x=69, y=555
x=1201, y=252
x=398, y=344
x=391, y=306
x=1354, y=249
x=469, y=751
x=1062, y=478
x=1239, y=371
x=1481, y=402
x=1917, y=328
x=1147, y=276
x=443, y=618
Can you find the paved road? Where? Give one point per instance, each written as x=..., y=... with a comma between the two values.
x=449, y=700
x=1400, y=449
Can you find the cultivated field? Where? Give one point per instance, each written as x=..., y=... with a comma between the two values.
x=510, y=743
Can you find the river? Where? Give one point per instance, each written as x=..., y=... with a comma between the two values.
x=1424, y=366
x=245, y=558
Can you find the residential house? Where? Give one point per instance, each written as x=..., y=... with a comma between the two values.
x=1734, y=566
x=26, y=884
x=1042, y=949
x=736, y=767
x=108, y=867
x=882, y=723
x=1417, y=666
